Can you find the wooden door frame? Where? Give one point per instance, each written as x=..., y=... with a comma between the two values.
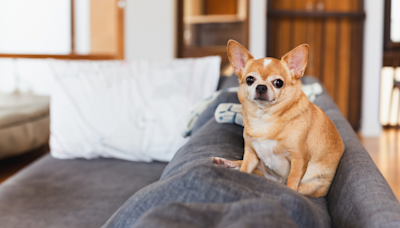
x=391, y=50
x=355, y=82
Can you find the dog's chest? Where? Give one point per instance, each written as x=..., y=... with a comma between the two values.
x=265, y=152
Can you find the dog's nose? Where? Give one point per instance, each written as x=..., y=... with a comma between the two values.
x=261, y=89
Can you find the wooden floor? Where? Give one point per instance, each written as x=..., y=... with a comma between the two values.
x=10, y=166
x=385, y=151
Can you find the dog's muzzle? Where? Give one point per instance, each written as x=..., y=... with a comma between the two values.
x=261, y=89
x=261, y=93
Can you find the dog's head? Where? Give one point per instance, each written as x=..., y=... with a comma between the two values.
x=268, y=81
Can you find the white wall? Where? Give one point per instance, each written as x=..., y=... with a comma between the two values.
x=257, y=30
x=150, y=29
x=82, y=26
x=372, y=65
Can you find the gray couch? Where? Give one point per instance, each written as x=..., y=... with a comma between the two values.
x=192, y=191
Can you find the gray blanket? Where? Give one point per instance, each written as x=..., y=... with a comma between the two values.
x=193, y=192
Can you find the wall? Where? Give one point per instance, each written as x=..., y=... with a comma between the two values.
x=257, y=28
x=82, y=26
x=150, y=29
x=372, y=65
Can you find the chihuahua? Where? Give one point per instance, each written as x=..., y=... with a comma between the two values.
x=287, y=138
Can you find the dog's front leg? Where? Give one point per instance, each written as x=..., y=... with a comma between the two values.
x=297, y=170
x=250, y=160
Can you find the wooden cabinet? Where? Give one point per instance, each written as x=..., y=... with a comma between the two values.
x=205, y=26
x=106, y=27
x=334, y=31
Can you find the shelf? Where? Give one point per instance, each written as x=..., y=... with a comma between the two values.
x=206, y=19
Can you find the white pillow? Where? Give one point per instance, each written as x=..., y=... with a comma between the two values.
x=126, y=109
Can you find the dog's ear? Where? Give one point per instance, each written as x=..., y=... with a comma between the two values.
x=238, y=56
x=297, y=60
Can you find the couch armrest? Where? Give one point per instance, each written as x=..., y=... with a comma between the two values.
x=359, y=195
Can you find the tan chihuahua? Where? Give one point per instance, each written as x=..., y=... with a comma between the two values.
x=287, y=138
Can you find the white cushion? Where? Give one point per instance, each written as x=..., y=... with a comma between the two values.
x=126, y=109
x=24, y=123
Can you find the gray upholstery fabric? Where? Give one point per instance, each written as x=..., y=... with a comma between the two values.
x=227, y=82
x=194, y=193
x=324, y=101
x=246, y=213
x=24, y=123
x=71, y=193
x=214, y=194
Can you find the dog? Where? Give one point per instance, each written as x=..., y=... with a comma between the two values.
x=287, y=138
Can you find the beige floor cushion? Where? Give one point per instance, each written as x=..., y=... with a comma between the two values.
x=24, y=123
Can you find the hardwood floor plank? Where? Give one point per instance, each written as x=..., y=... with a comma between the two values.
x=385, y=151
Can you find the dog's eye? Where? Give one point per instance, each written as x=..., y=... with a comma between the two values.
x=250, y=80
x=278, y=83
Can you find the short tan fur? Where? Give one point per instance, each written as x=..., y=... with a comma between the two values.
x=287, y=138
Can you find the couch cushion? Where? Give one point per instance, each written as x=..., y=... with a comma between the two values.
x=227, y=82
x=71, y=193
x=324, y=100
x=24, y=123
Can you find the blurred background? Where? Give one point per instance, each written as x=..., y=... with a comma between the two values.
x=346, y=37
x=355, y=44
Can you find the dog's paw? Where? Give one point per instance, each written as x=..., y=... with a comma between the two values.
x=226, y=163
x=218, y=161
